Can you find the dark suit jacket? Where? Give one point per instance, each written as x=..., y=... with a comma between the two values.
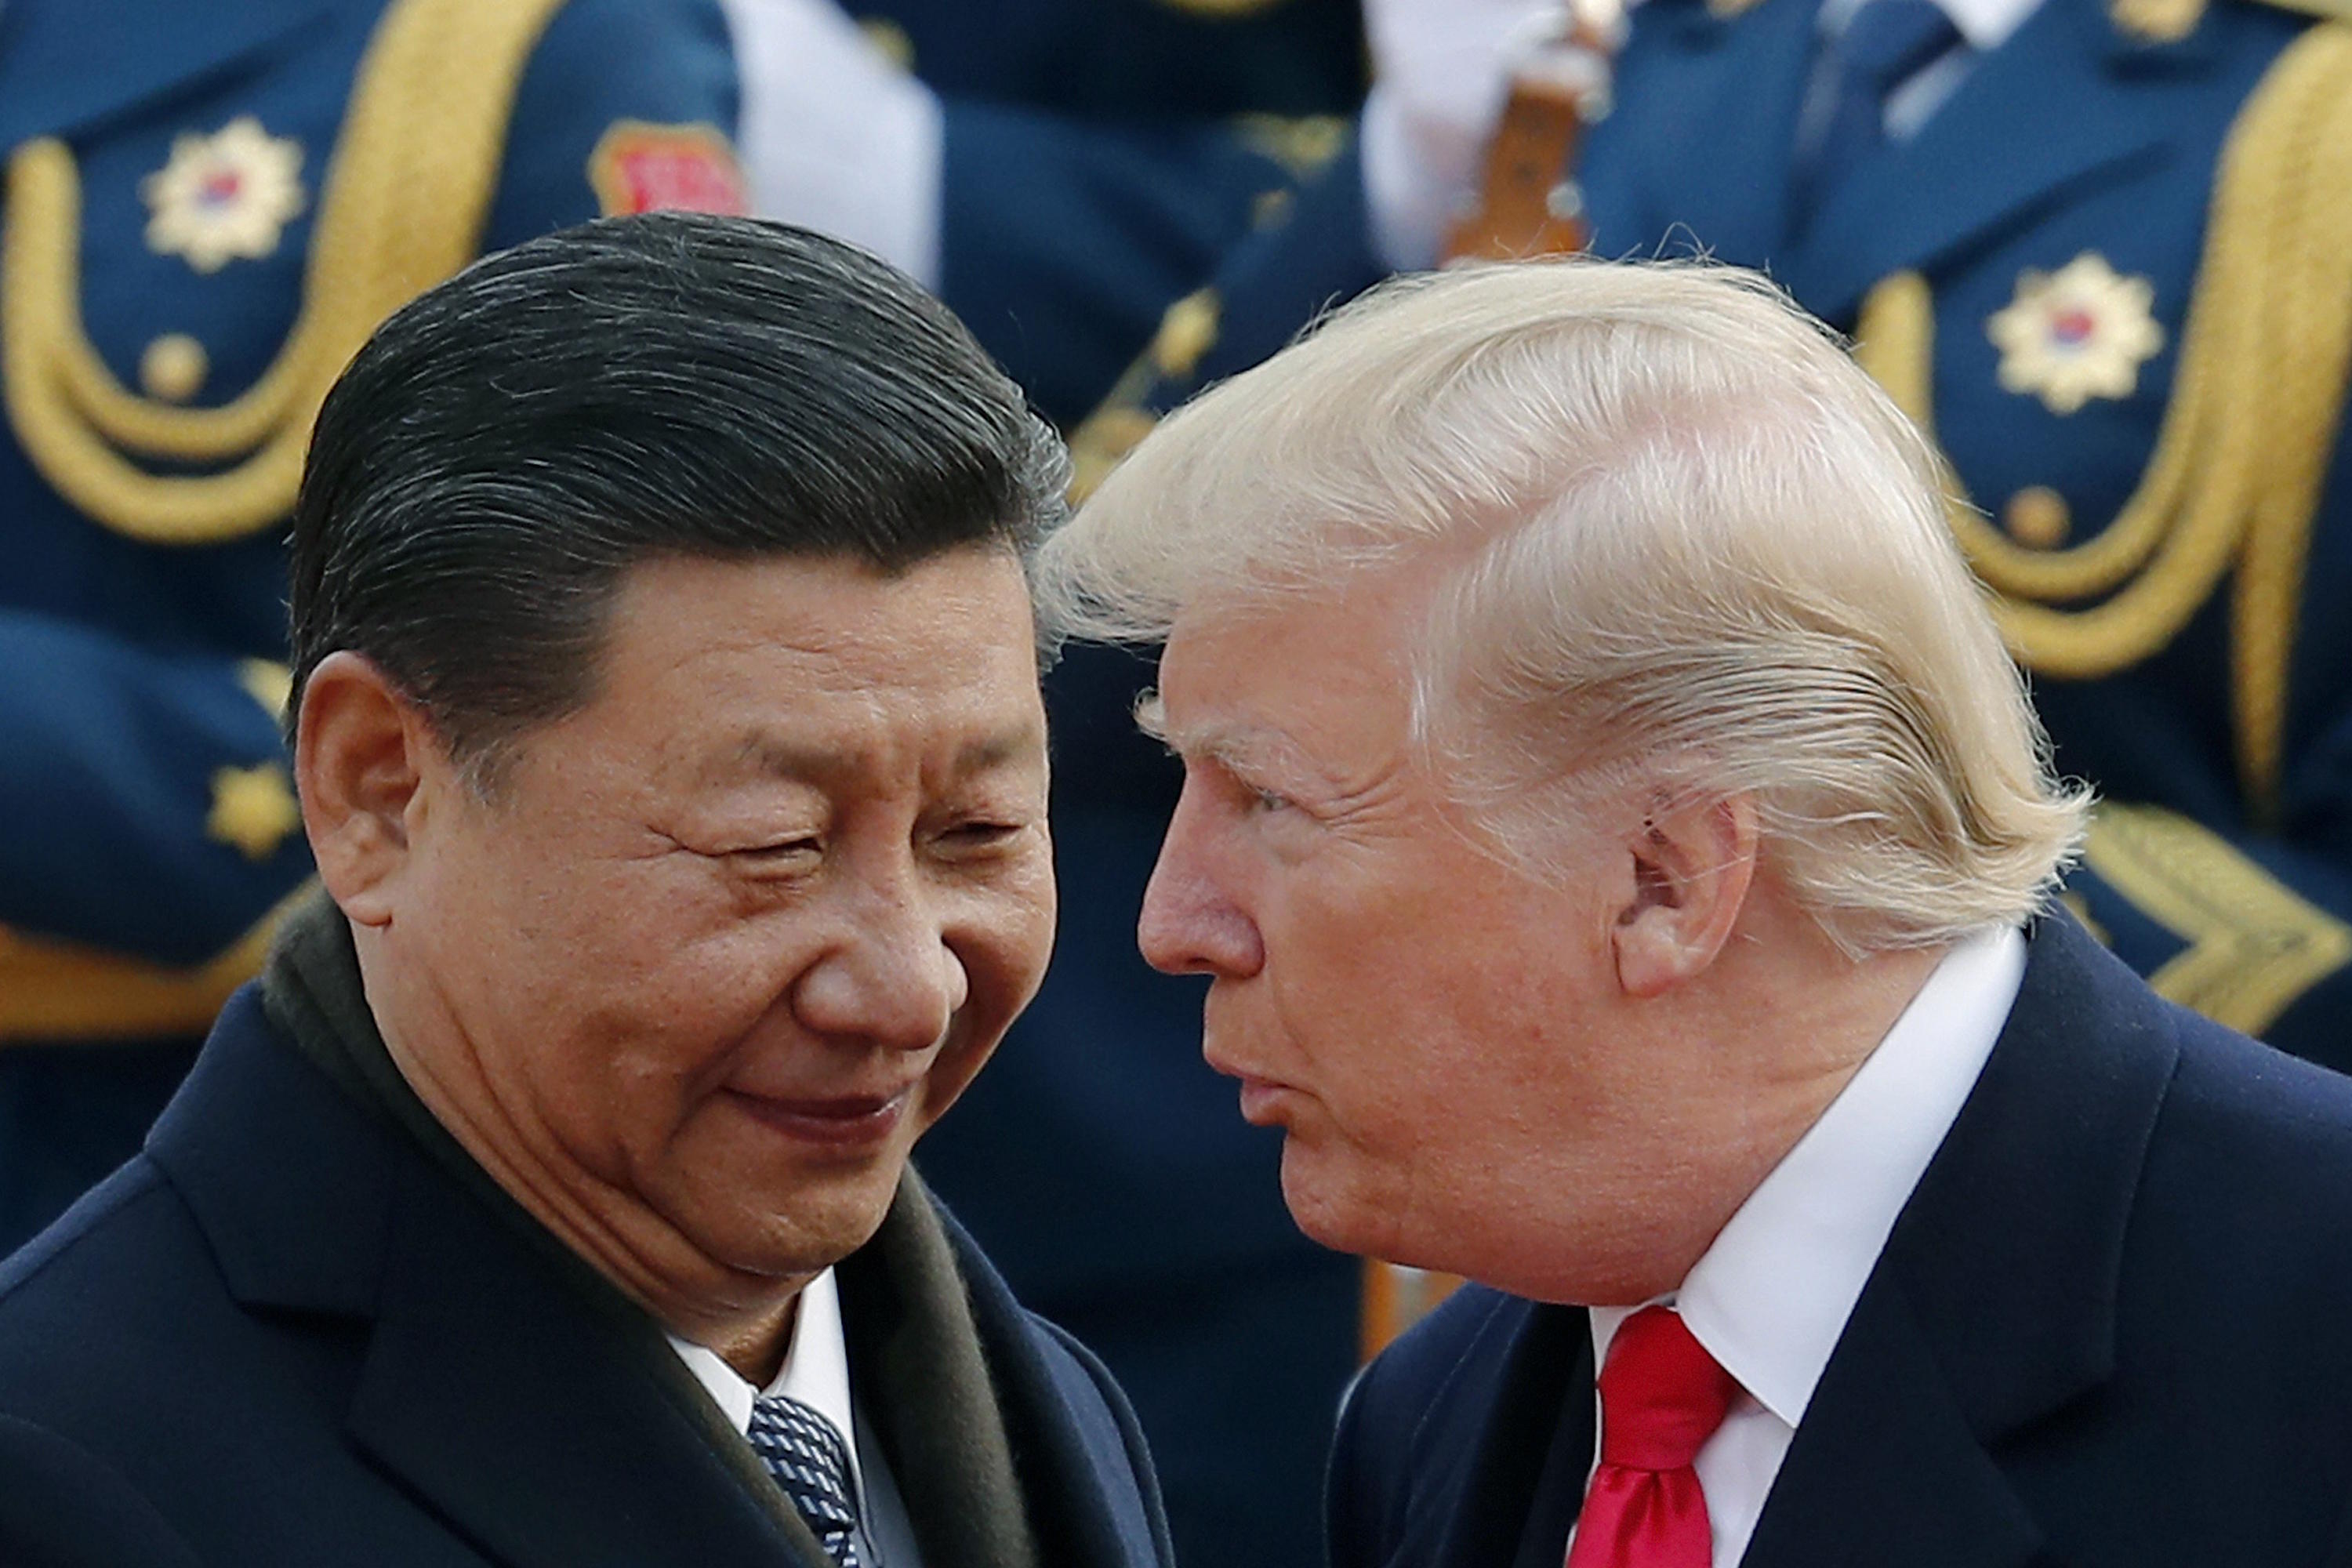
x=2112, y=1326
x=285, y=1335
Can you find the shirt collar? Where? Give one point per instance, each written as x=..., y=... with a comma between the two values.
x=1770, y=1297
x=815, y=1370
x=1985, y=23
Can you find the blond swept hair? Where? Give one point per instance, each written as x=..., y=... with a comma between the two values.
x=1673, y=539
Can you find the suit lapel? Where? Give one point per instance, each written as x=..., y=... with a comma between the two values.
x=1886, y=1467
x=1505, y=1485
x=1993, y=1304
x=2038, y=117
x=538, y=1428
x=547, y=1431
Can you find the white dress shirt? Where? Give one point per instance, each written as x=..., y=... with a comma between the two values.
x=816, y=1373
x=1770, y=1297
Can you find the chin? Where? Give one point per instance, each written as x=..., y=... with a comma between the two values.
x=1331, y=1209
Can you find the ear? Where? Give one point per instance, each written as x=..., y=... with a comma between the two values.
x=1692, y=868
x=361, y=755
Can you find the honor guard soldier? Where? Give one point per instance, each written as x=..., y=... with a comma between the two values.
x=208, y=208
x=2102, y=251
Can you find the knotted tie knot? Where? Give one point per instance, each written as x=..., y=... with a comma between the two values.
x=1661, y=1398
x=1662, y=1395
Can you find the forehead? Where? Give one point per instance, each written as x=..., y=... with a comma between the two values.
x=1297, y=674
x=783, y=663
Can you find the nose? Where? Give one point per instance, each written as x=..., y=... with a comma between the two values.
x=889, y=979
x=1191, y=924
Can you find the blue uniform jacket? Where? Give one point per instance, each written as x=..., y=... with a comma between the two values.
x=1102, y=156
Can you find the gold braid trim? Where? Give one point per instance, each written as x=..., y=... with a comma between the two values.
x=2305, y=133
x=407, y=195
x=2256, y=402
x=2255, y=944
x=52, y=991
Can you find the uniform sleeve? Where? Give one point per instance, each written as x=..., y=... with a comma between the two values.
x=626, y=105
x=151, y=807
x=1063, y=241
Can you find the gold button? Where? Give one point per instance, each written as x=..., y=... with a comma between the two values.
x=2037, y=518
x=173, y=369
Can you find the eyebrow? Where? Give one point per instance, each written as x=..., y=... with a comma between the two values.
x=1252, y=751
x=779, y=756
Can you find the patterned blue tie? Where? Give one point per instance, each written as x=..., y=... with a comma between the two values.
x=805, y=1454
x=1885, y=43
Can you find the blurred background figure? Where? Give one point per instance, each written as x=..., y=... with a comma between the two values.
x=1063, y=172
x=209, y=204
x=2102, y=251
x=1057, y=170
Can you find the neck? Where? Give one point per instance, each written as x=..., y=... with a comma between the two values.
x=746, y=1318
x=1799, y=1019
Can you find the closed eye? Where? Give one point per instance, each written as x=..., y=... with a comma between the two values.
x=784, y=852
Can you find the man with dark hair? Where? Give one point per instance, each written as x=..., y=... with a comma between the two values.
x=667, y=726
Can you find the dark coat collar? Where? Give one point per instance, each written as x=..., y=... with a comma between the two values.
x=1992, y=1307
x=549, y=1423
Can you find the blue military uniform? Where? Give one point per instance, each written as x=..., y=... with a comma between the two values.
x=207, y=208
x=1100, y=156
x=2112, y=275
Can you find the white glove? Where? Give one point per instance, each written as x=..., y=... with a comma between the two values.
x=834, y=136
x=1441, y=70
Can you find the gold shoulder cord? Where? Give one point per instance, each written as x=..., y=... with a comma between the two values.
x=2256, y=405
x=406, y=194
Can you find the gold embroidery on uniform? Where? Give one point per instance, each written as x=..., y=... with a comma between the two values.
x=1102, y=441
x=2080, y=333
x=173, y=367
x=1302, y=144
x=52, y=990
x=268, y=682
x=398, y=212
x=2299, y=135
x=226, y=195
x=2255, y=944
x=2156, y=21
x=2037, y=517
x=1187, y=331
x=253, y=809
x=2255, y=409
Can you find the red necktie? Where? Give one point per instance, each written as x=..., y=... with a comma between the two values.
x=1661, y=1398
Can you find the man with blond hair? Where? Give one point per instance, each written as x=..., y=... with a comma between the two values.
x=1623, y=859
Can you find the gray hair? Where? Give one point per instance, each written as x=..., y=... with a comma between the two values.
x=1674, y=538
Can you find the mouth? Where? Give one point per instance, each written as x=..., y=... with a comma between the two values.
x=1263, y=1102
x=849, y=1122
